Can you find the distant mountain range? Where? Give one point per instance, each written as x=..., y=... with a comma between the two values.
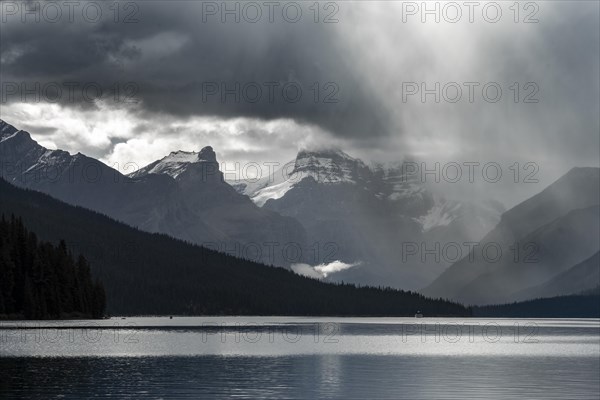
x=584, y=276
x=330, y=207
x=550, y=244
x=580, y=305
x=154, y=274
x=369, y=212
x=328, y=211
x=192, y=204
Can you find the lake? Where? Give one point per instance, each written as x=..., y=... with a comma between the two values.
x=287, y=357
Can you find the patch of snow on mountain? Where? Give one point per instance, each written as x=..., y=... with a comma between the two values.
x=252, y=187
x=10, y=136
x=272, y=192
x=441, y=214
x=177, y=162
x=327, y=167
x=173, y=164
x=50, y=158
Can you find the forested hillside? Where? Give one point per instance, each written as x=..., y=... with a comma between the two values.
x=41, y=281
x=584, y=305
x=154, y=274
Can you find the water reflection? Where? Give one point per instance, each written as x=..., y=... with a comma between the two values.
x=326, y=376
x=298, y=359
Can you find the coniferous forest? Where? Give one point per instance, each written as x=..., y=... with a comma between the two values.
x=39, y=280
x=153, y=274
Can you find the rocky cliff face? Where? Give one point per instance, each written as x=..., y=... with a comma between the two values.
x=183, y=195
x=369, y=214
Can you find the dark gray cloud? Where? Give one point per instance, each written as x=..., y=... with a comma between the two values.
x=40, y=130
x=183, y=66
x=173, y=57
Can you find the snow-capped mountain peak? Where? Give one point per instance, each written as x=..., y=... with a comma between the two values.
x=331, y=153
x=177, y=162
x=329, y=166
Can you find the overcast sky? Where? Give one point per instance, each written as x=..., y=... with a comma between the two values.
x=173, y=67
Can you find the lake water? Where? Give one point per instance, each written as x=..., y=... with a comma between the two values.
x=341, y=358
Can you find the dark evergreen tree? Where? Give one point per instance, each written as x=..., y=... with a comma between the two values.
x=155, y=274
x=41, y=281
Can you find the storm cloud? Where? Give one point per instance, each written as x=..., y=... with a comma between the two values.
x=189, y=74
x=181, y=59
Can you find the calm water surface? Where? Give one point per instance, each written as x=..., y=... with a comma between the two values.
x=356, y=358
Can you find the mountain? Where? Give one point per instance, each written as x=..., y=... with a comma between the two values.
x=325, y=206
x=584, y=305
x=582, y=277
x=369, y=213
x=540, y=238
x=260, y=234
x=154, y=274
x=182, y=195
x=152, y=204
x=592, y=292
